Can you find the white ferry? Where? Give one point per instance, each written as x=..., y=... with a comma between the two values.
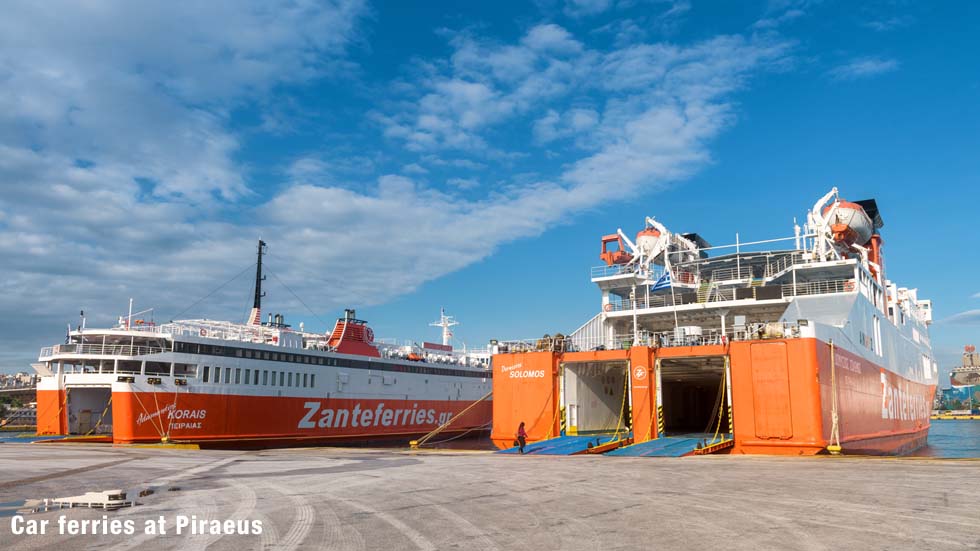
x=224, y=383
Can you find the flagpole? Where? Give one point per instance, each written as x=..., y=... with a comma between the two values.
x=673, y=301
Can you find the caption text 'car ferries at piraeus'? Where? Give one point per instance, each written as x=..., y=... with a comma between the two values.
x=745, y=348
x=224, y=383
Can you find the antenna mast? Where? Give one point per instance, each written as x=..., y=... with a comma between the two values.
x=255, y=318
x=445, y=322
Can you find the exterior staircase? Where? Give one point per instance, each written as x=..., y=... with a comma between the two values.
x=704, y=291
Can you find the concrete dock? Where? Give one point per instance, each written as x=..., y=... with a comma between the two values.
x=329, y=498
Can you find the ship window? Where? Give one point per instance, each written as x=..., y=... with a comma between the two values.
x=305, y=380
x=238, y=352
x=185, y=370
x=248, y=353
x=238, y=376
x=282, y=375
x=204, y=376
x=877, y=324
x=265, y=377
x=266, y=355
x=152, y=368
x=289, y=381
x=275, y=356
x=227, y=375
x=255, y=377
x=312, y=379
x=217, y=375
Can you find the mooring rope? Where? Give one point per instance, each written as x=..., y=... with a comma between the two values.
x=834, y=446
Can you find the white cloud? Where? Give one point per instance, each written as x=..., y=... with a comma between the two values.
x=116, y=155
x=583, y=8
x=553, y=126
x=154, y=80
x=861, y=67
x=967, y=317
x=889, y=23
x=551, y=38
x=414, y=168
x=464, y=102
x=318, y=168
x=160, y=210
x=486, y=84
x=777, y=20
x=464, y=183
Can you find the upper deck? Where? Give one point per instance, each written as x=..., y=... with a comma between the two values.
x=128, y=350
x=665, y=279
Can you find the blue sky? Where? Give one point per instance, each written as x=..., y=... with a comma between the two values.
x=400, y=157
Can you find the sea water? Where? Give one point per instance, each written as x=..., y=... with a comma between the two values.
x=952, y=439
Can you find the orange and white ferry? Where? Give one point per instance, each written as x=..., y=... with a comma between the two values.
x=223, y=383
x=743, y=348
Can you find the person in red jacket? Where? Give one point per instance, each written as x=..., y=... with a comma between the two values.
x=521, y=437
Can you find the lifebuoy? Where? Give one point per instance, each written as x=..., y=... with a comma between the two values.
x=848, y=286
x=607, y=307
x=275, y=339
x=204, y=332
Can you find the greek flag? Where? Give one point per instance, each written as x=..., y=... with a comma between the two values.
x=663, y=282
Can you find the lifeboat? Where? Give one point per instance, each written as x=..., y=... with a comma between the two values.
x=648, y=241
x=612, y=257
x=850, y=223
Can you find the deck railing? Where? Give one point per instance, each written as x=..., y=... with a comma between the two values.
x=681, y=336
x=727, y=294
x=100, y=350
x=693, y=273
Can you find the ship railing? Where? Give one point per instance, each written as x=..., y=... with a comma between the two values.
x=471, y=358
x=819, y=287
x=680, y=336
x=784, y=262
x=100, y=350
x=696, y=271
x=727, y=294
x=735, y=273
x=653, y=272
x=614, y=270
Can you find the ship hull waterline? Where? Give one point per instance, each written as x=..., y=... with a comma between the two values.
x=231, y=420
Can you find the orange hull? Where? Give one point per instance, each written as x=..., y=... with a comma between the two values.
x=222, y=418
x=782, y=397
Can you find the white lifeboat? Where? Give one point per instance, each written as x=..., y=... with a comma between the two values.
x=850, y=223
x=649, y=242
